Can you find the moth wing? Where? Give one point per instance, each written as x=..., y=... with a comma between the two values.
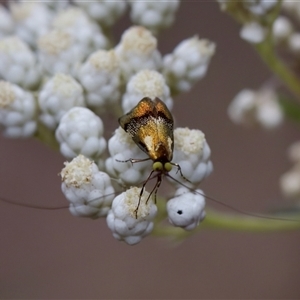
x=130, y=121
x=163, y=111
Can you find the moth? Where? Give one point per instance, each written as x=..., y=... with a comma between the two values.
x=151, y=126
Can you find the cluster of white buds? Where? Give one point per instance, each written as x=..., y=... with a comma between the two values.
x=105, y=12
x=188, y=63
x=131, y=217
x=6, y=22
x=153, y=15
x=290, y=181
x=32, y=20
x=18, y=64
x=253, y=32
x=100, y=78
x=186, y=208
x=17, y=111
x=285, y=27
x=81, y=131
x=146, y=83
x=253, y=14
x=88, y=190
x=260, y=108
x=136, y=51
x=61, y=73
x=57, y=96
x=192, y=154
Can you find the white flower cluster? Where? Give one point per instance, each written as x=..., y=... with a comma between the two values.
x=252, y=13
x=186, y=208
x=18, y=64
x=260, y=108
x=290, y=181
x=31, y=19
x=192, y=154
x=146, y=83
x=131, y=217
x=17, y=111
x=132, y=213
x=57, y=96
x=81, y=131
x=6, y=22
x=60, y=73
x=188, y=63
x=153, y=15
x=88, y=190
x=285, y=31
x=100, y=78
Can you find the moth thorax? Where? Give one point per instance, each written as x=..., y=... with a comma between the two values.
x=163, y=167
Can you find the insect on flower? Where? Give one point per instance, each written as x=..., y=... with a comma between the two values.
x=151, y=126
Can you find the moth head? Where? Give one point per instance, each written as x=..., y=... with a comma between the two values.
x=163, y=167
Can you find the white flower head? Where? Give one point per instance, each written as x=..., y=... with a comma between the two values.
x=259, y=7
x=100, y=77
x=122, y=148
x=88, y=190
x=7, y=25
x=56, y=5
x=105, y=12
x=282, y=29
x=192, y=154
x=17, y=111
x=59, y=94
x=60, y=52
x=153, y=15
x=85, y=32
x=146, y=83
x=253, y=32
x=18, y=64
x=32, y=20
x=186, y=208
x=80, y=131
x=290, y=182
x=130, y=218
x=188, y=63
x=137, y=51
x=256, y=108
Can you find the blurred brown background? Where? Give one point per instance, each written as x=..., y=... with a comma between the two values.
x=50, y=254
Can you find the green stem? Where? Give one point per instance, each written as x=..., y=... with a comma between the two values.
x=267, y=53
x=46, y=136
x=225, y=221
x=218, y=220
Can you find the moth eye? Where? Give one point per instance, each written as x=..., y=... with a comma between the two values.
x=168, y=167
x=157, y=166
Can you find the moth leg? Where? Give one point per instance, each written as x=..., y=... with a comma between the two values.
x=132, y=160
x=179, y=170
x=141, y=193
x=155, y=189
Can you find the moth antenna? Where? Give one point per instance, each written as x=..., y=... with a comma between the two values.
x=40, y=207
x=27, y=205
x=232, y=207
